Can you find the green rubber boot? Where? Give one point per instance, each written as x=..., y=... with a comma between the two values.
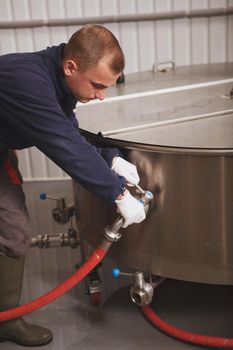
x=17, y=330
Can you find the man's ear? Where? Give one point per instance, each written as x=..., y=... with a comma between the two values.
x=69, y=67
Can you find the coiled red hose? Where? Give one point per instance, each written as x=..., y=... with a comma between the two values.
x=188, y=337
x=55, y=293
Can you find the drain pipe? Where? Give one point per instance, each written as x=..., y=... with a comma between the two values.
x=111, y=234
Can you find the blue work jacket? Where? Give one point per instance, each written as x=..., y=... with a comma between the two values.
x=36, y=109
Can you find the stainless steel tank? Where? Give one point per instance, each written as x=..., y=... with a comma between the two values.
x=177, y=128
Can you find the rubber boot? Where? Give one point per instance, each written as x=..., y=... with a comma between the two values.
x=17, y=330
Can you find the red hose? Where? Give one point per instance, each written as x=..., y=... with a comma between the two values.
x=188, y=337
x=55, y=293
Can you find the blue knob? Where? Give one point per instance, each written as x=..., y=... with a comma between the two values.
x=116, y=272
x=43, y=196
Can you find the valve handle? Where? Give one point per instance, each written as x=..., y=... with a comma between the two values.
x=116, y=272
x=43, y=196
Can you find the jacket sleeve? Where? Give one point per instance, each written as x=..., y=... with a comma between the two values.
x=107, y=153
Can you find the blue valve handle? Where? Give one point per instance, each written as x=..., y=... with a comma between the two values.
x=43, y=196
x=116, y=272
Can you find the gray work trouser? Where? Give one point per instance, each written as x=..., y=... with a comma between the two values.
x=15, y=227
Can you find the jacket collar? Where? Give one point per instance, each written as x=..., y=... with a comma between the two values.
x=53, y=58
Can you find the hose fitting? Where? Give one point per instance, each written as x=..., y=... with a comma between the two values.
x=111, y=232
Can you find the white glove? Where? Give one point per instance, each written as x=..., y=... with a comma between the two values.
x=131, y=209
x=124, y=168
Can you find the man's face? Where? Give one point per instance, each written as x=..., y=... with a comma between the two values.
x=90, y=84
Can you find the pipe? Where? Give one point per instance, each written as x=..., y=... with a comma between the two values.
x=117, y=18
x=188, y=337
x=61, y=289
x=67, y=239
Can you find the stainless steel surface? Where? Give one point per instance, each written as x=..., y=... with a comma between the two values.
x=188, y=233
x=214, y=132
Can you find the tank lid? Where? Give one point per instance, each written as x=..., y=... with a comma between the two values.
x=189, y=107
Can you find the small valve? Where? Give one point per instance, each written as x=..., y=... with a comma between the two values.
x=60, y=200
x=61, y=213
x=141, y=292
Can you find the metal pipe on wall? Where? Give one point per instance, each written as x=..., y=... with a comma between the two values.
x=117, y=18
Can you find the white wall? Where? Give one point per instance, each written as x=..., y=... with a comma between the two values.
x=183, y=41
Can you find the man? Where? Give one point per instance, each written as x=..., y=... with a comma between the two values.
x=38, y=93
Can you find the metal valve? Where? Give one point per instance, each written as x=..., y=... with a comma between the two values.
x=141, y=292
x=61, y=213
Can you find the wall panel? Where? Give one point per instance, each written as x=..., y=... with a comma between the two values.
x=230, y=39
x=146, y=48
x=6, y=10
x=20, y=10
x=218, y=47
x=163, y=32
x=108, y=7
x=38, y=9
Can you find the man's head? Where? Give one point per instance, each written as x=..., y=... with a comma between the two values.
x=92, y=61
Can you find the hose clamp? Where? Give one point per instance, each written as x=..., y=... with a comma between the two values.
x=111, y=235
